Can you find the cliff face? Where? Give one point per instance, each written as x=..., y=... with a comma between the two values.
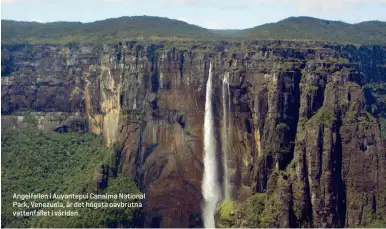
x=302, y=127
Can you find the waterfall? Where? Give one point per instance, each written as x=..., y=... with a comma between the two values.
x=225, y=133
x=210, y=185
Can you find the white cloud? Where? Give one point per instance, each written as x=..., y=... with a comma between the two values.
x=8, y=1
x=212, y=24
x=310, y=6
x=119, y=1
x=16, y=1
x=172, y=2
x=219, y=4
x=38, y=20
x=182, y=2
x=184, y=19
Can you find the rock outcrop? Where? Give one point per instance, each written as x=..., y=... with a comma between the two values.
x=302, y=130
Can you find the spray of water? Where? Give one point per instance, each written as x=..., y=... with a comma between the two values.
x=210, y=185
x=225, y=133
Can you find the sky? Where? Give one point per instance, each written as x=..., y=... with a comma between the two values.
x=212, y=14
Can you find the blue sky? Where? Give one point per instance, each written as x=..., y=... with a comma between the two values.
x=214, y=14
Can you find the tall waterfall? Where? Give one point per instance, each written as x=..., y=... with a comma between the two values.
x=210, y=185
x=225, y=133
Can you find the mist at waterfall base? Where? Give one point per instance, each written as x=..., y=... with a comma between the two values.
x=212, y=188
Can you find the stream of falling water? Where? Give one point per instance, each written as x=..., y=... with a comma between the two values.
x=210, y=185
x=225, y=133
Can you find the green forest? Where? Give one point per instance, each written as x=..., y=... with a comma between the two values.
x=161, y=28
x=39, y=162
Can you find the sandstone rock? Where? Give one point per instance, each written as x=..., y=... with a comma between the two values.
x=301, y=131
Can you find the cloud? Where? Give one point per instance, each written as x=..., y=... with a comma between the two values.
x=120, y=1
x=38, y=20
x=16, y=1
x=8, y=1
x=184, y=19
x=171, y=2
x=218, y=4
x=166, y=2
x=308, y=6
x=182, y=2
x=213, y=24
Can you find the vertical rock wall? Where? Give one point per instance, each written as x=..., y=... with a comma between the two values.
x=300, y=127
